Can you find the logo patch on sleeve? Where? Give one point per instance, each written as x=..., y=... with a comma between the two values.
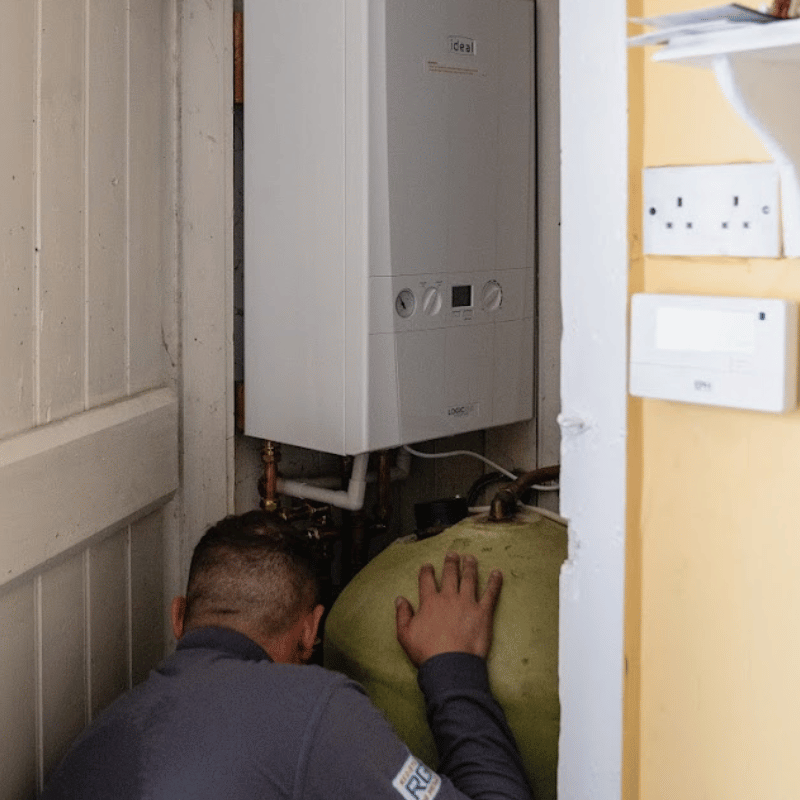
x=416, y=782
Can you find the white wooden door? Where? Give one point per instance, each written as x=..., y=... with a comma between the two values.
x=89, y=365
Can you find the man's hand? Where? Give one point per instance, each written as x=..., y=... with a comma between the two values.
x=451, y=619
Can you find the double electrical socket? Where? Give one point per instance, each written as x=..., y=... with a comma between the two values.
x=716, y=210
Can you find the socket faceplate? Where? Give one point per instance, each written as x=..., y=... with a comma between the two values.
x=712, y=210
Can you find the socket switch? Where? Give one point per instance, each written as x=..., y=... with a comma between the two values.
x=712, y=210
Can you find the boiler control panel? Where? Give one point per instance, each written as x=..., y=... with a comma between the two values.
x=427, y=302
x=456, y=346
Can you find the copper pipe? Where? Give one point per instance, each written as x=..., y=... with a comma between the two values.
x=270, y=455
x=504, y=503
x=239, y=406
x=238, y=57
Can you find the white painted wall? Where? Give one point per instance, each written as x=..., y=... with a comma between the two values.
x=594, y=264
x=205, y=255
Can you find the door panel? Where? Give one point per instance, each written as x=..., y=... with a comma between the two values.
x=148, y=602
x=17, y=99
x=107, y=187
x=89, y=431
x=148, y=356
x=18, y=698
x=61, y=484
x=96, y=238
x=63, y=657
x=108, y=620
x=61, y=230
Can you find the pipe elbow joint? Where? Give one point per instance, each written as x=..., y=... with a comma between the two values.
x=503, y=505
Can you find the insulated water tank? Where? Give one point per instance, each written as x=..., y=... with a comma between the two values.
x=523, y=663
x=389, y=238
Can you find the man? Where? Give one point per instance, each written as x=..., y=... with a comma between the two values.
x=235, y=713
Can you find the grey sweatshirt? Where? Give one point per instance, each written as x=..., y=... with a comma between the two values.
x=219, y=720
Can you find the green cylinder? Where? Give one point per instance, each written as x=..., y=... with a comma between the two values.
x=360, y=636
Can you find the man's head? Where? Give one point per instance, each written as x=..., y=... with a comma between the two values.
x=253, y=573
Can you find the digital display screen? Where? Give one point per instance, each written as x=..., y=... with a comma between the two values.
x=462, y=296
x=705, y=330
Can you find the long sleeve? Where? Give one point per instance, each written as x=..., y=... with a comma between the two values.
x=351, y=751
x=476, y=747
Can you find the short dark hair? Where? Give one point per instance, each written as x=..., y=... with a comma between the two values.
x=253, y=568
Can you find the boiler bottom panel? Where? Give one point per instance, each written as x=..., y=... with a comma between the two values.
x=433, y=383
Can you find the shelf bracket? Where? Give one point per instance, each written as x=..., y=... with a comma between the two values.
x=760, y=92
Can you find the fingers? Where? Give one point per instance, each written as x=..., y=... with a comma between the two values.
x=403, y=615
x=450, y=620
x=469, y=576
x=459, y=574
x=450, y=573
x=492, y=591
x=427, y=582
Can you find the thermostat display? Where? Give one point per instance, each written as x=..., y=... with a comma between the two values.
x=705, y=330
x=462, y=296
x=727, y=351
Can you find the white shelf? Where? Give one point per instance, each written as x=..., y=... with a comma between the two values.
x=758, y=70
x=774, y=41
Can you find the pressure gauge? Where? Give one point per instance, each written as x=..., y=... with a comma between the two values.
x=491, y=296
x=432, y=301
x=404, y=303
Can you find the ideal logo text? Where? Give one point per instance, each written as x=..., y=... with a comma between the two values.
x=461, y=44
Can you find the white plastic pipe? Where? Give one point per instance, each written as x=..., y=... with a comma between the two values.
x=399, y=472
x=351, y=500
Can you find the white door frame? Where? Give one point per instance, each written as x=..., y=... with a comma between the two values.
x=204, y=251
x=594, y=277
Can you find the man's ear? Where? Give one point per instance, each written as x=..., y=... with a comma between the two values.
x=178, y=615
x=310, y=627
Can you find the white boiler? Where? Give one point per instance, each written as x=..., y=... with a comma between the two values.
x=389, y=241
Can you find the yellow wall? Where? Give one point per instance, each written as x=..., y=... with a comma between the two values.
x=714, y=554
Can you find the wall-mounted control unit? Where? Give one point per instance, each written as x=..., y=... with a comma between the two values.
x=388, y=219
x=723, y=351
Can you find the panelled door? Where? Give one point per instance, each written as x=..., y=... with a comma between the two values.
x=88, y=365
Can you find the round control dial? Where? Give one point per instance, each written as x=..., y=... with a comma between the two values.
x=405, y=303
x=491, y=296
x=432, y=301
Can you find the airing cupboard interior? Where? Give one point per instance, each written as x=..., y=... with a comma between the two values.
x=388, y=296
x=359, y=378
x=117, y=432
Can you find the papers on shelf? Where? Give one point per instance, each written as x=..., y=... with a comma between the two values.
x=690, y=23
